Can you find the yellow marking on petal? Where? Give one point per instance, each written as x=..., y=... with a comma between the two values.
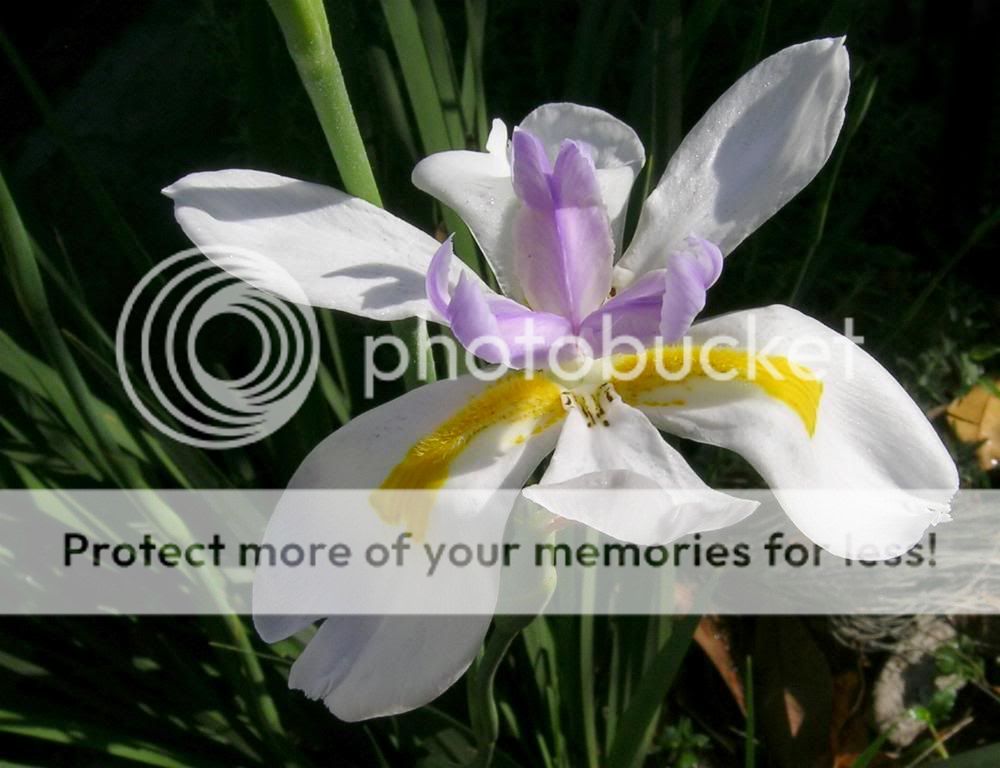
x=789, y=383
x=676, y=403
x=513, y=401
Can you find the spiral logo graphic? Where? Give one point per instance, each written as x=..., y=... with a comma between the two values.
x=186, y=303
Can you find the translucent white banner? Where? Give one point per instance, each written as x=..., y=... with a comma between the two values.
x=470, y=552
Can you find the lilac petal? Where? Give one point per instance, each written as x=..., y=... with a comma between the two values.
x=690, y=273
x=529, y=335
x=634, y=313
x=574, y=177
x=564, y=249
x=473, y=324
x=659, y=306
x=530, y=170
x=493, y=327
x=617, y=151
x=437, y=278
x=499, y=330
x=586, y=241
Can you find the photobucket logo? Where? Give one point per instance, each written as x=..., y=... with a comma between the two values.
x=158, y=334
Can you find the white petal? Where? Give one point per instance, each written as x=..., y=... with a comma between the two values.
x=624, y=480
x=372, y=666
x=874, y=473
x=526, y=590
x=755, y=148
x=476, y=435
x=496, y=142
x=477, y=185
x=369, y=666
x=308, y=243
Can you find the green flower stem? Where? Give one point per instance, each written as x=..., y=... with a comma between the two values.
x=307, y=36
x=482, y=706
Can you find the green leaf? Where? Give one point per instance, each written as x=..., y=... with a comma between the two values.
x=392, y=100
x=30, y=291
x=750, y=737
x=648, y=697
x=984, y=757
x=427, y=104
x=871, y=751
x=404, y=28
x=473, y=92
x=94, y=739
x=443, y=70
x=94, y=189
x=984, y=352
x=989, y=385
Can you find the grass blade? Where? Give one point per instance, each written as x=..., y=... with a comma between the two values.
x=443, y=70
x=750, y=737
x=128, y=241
x=427, y=107
x=824, y=206
x=862, y=760
x=30, y=292
x=473, y=92
x=392, y=100
x=984, y=757
x=404, y=28
x=648, y=696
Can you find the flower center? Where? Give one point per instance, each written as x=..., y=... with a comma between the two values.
x=593, y=405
